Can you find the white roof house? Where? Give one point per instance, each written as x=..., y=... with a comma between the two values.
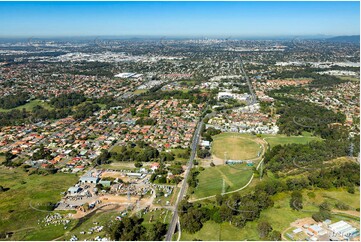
x=205, y=143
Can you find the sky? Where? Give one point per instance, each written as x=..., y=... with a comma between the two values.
x=236, y=19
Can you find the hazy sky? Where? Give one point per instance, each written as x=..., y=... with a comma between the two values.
x=37, y=19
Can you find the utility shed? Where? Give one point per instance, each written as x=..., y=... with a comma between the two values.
x=74, y=190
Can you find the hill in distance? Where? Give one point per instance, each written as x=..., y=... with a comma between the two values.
x=345, y=39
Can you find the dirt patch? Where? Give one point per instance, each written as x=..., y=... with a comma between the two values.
x=303, y=221
x=118, y=199
x=115, y=174
x=350, y=212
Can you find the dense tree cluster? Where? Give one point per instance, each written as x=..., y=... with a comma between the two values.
x=131, y=229
x=86, y=110
x=234, y=209
x=297, y=117
x=13, y=117
x=146, y=121
x=18, y=117
x=264, y=228
x=323, y=213
x=42, y=153
x=8, y=159
x=67, y=100
x=39, y=113
x=208, y=133
x=135, y=153
x=296, y=201
x=203, y=152
x=318, y=80
x=292, y=156
x=193, y=96
x=13, y=101
x=192, y=179
x=103, y=158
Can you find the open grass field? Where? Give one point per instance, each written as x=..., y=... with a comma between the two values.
x=177, y=152
x=211, y=179
x=26, y=191
x=348, y=78
x=30, y=105
x=237, y=146
x=280, y=139
x=224, y=231
x=280, y=216
x=140, y=91
x=161, y=215
x=101, y=217
x=310, y=203
x=119, y=166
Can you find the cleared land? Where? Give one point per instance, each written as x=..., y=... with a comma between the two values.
x=26, y=191
x=101, y=217
x=237, y=146
x=115, y=165
x=211, y=179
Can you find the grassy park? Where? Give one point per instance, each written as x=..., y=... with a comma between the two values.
x=211, y=179
x=280, y=139
x=24, y=193
x=30, y=105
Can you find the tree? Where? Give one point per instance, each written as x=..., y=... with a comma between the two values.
x=351, y=189
x=156, y=232
x=219, y=199
x=191, y=221
x=275, y=236
x=203, y=153
x=129, y=229
x=86, y=207
x=296, y=200
x=226, y=213
x=264, y=228
x=42, y=153
x=324, y=212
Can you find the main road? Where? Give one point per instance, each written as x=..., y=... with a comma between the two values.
x=184, y=185
x=253, y=98
x=183, y=190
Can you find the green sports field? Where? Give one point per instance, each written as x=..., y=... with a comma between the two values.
x=211, y=179
x=237, y=146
